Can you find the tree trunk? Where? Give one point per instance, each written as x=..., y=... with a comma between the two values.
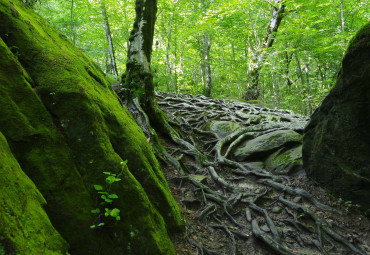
x=72, y=35
x=169, y=68
x=138, y=85
x=109, y=39
x=288, y=59
x=252, y=88
x=207, y=65
x=342, y=22
x=201, y=62
x=342, y=16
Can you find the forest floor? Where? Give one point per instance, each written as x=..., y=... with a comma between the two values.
x=232, y=205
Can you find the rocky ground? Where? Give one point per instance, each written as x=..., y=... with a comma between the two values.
x=242, y=187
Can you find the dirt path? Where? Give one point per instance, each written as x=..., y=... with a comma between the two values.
x=232, y=204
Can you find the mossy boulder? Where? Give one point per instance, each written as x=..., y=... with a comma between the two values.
x=286, y=161
x=65, y=127
x=222, y=128
x=25, y=228
x=336, y=144
x=265, y=144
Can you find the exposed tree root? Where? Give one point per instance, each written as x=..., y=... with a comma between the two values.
x=236, y=198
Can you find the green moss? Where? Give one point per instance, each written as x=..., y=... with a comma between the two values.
x=66, y=126
x=24, y=226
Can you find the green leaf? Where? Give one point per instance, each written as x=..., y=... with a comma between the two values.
x=101, y=224
x=97, y=210
x=92, y=226
x=110, y=179
x=108, y=173
x=118, y=218
x=103, y=192
x=114, y=212
x=113, y=196
x=108, y=200
x=98, y=187
x=104, y=197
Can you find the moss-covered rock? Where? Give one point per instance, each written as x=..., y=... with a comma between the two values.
x=286, y=161
x=266, y=143
x=336, y=144
x=24, y=226
x=222, y=128
x=65, y=127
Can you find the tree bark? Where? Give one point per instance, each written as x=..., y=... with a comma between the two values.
x=207, y=64
x=109, y=39
x=138, y=87
x=252, y=88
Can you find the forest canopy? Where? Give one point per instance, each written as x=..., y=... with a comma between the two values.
x=202, y=43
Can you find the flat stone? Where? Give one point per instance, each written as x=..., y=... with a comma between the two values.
x=198, y=177
x=222, y=128
x=266, y=143
x=255, y=165
x=277, y=209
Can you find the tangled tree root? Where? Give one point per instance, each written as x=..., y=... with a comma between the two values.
x=240, y=200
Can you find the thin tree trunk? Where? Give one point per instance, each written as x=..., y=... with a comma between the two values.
x=342, y=25
x=201, y=62
x=109, y=39
x=288, y=59
x=299, y=68
x=252, y=89
x=342, y=16
x=168, y=51
x=207, y=63
x=72, y=34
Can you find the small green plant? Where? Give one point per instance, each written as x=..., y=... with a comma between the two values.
x=107, y=198
x=349, y=205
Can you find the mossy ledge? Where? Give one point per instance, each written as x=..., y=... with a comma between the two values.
x=24, y=226
x=65, y=126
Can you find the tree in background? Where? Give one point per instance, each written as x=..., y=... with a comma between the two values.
x=297, y=71
x=113, y=66
x=260, y=54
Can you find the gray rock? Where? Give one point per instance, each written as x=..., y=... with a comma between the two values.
x=336, y=146
x=285, y=161
x=266, y=143
x=297, y=199
x=277, y=209
x=255, y=165
x=222, y=128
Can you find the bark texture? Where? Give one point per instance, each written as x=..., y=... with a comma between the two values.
x=138, y=87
